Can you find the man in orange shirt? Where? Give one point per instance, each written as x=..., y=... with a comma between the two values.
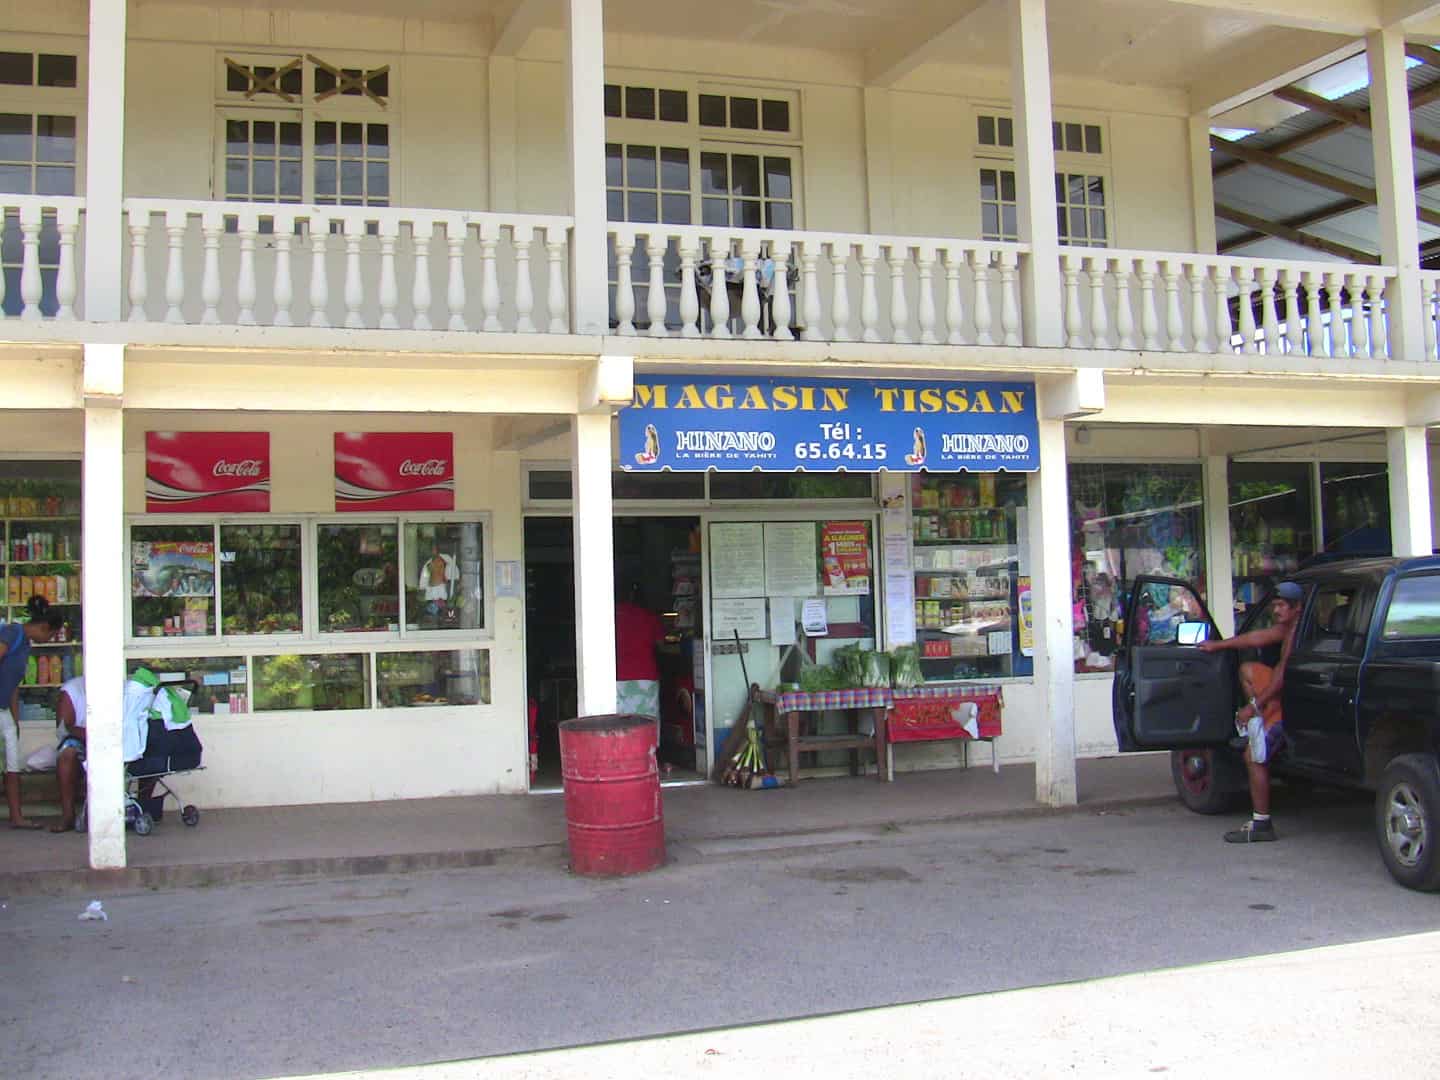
x=1260, y=718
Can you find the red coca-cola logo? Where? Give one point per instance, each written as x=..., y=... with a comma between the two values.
x=430, y=467
x=249, y=467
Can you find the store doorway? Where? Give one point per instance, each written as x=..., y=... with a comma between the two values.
x=657, y=569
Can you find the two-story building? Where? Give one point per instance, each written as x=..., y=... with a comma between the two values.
x=318, y=318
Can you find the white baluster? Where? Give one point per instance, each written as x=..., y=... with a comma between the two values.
x=897, y=258
x=1294, y=332
x=490, y=280
x=1314, y=322
x=780, y=292
x=954, y=297
x=719, y=288
x=67, y=224
x=1221, y=276
x=749, y=288
x=1099, y=317
x=1359, y=335
x=1269, y=318
x=1174, y=315
x=1427, y=315
x=556, y=246
x=283, y=288
x=354, y=232
x=1074, y=322
x=421, y=231
x=689, y=295
x=869, y=295
x=176, y=225
x=1199, y=323
x=318, y=233
x=139, y=283
x=389, y=284
x=1009, y=299
x=212, y=227
x=840, y=300
x=925, y=313
x=1379, y=331
x=1149, y=316
x=980, y=273
x=245, y=290
x=522, y=236
x=456, y=295
x=1334, y=284
x=1124, y=311
x=655, y=305
x=810, y=282
x=1246, y=283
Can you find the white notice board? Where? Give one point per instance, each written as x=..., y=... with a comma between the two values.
x=737, y=559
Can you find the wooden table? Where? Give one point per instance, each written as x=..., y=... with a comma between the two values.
x=785, y=713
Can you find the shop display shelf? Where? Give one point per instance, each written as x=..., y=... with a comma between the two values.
x=961, y=541
x=43, y=562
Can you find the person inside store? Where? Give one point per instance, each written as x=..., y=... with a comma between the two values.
x=1259, y=719
x=15, y=643
x=70, y=754
x=638, y=631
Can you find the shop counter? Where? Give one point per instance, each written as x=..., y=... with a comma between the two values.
x=970, y=713
x=785, y=716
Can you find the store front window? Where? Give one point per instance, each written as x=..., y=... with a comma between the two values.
x=420, y=679
x=1127, y=520
x=1355, y=508
x=314, y=682
x=172, y=581
x=1272, y=528
x=965, y=533
x=218, y=682
x=358, y=574
x=444, y=576
x=260, y=579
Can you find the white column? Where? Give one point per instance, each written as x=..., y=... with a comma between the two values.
x=103, y=588
x=1219, y=582
x=1395, y=186
x=105, y=161
x=594, y=525
x=1051, y=595
x=585, y=123
x=1202, y=184
x=1035, y=173
x=1409, y=460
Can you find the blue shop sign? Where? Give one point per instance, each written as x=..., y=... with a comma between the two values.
x=828, y=425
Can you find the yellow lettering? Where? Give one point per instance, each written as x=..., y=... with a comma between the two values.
x=719, y=397
x=654, y=397
x=784, y=397
x=754, y=399
x=689, y=399
x=930, y=400
x=886, y=395
x=1012, y=401
x=956, y=401
x=807, y=399
x=908, y=397
x=982, y=402
x=836, y=399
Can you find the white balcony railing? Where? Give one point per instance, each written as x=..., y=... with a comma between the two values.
x=1182, y=303
x=814, y=286
x=41, y=262
x=252, y=264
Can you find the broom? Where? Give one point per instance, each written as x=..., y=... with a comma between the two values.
x=747, y=768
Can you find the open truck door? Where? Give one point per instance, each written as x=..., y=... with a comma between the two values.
x=1168, y=694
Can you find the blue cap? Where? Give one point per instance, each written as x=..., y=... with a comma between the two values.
x=1290, y=592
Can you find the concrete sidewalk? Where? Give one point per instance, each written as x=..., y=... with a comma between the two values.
x=265, y=843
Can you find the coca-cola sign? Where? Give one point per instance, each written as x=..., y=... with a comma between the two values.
x=394, y=470
x=207, y=472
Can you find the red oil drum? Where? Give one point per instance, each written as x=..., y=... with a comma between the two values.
x=612, y=795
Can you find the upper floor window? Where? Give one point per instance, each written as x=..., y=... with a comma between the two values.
x=37, y=153
x=53, y=70
x=647, y=103
x=1081, y=207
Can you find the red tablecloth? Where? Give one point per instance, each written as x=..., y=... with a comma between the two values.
x=938, y=712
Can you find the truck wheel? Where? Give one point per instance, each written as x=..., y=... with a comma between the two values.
x=1207, y=781
x=1407, y=821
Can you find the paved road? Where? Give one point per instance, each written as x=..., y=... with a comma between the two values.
x=320, y=976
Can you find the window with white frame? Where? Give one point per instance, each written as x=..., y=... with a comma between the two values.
x=41, y=104
x=299, y=129
x=1082, y=209
x=313, y=613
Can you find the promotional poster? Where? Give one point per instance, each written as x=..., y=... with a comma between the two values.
x=394, y=470
x=192, y=472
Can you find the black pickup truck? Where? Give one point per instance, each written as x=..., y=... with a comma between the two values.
x=1361, y=699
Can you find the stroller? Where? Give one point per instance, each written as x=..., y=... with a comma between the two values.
x=159, y=743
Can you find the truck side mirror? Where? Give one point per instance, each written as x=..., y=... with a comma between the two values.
x=1192, y=633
